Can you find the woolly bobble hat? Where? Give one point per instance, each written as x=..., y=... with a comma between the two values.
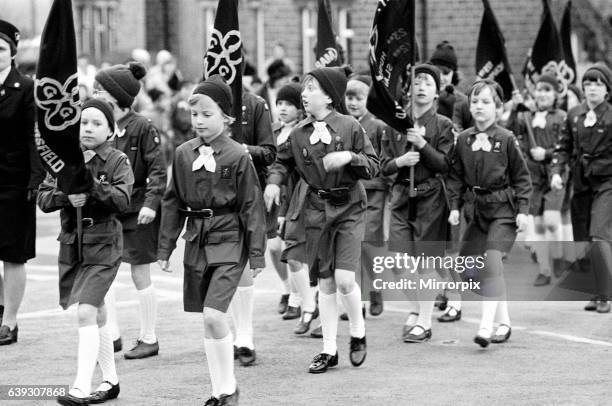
x=10, y=34
x=444, y=55
x=292, y=93
x=550, y=79
x=599, y=71
x=431, y=70
x=104, y=107
x=333, y=82
x=216, y=88
x=122, y=81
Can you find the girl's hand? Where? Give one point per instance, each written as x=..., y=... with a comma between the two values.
x=271, y=196
x=410, y=158
x=146, y=215
x=78, y=200
x=556, y=182
x=164, y=265
x=453, y=218
x=255, y=271
x=336, y=160
x=521, y=222
x=416, y=137
x=538, y=153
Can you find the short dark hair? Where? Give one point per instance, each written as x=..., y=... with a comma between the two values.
x=480, y=85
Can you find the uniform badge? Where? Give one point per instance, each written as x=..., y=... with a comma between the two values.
x=497, y=146
x=226, y=172
x=305, y=152
x=245, y=120
x=156, y=139
x=339, y=146
x=338, y=138
x=103, y=177
x=17, y=84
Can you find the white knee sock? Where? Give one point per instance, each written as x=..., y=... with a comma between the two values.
x=286, y=286
x=89, y=344
x=489, y=308
x=302, y=284
x=295, y=299
x=148, y=313
x=242, y=316
x=501, y=315
x=220, y=356
x=106, y=356
x=352, y=303
x=111, y=314
x=328, y=307
x=426, y=305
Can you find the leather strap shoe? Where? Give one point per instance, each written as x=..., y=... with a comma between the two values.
x=592, y=305
x=317, y=332
x=501, y=338
x=542, y=280
x=246, y=356
x=292, y=313
x=451, y=314
x=213, y=401
x=8, y=336
x=603, y=306
x=482, y=340
x=229, y=400
x=101, y=396
x=142, y=350
x=283, y=304
x=376, y=303
x=304, y=324
x=359, y=350
x=321, y=362
x=71, y=400
x=413, y=337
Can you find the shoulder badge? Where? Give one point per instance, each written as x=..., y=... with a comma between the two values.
x=226, y=172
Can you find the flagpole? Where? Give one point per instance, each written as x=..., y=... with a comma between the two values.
x=412, y=194
x=79, y=221
x=523, y=117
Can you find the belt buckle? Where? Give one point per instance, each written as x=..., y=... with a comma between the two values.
x=87, y=221
x=207, y=213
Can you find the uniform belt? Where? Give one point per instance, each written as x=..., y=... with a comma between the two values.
x=207, y=213
x=477, y=190
x=421, y=187
x=338, y=196
x=90, y=221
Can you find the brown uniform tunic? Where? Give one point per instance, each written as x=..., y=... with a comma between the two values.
x=334, y=228
x=501, y=185
x=89, y=280
x=140, y=141
x=218, y=247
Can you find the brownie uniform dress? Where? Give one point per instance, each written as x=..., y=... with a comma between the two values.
x=89, y=280
x=225, y=221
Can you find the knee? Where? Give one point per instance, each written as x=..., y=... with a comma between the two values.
x=345, y=284
x=214, y=321
x=87, y=315
x=294, y=266
x=327, y=286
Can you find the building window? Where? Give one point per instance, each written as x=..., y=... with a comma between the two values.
x=96, y=28
x=309, y=37
x=345, y=34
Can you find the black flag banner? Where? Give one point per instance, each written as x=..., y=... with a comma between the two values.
x=491, y=59
x=56, y=93
x=392, y=50
x=566, y=43
x=547, y=56
x=327, y=51
x=224, y=55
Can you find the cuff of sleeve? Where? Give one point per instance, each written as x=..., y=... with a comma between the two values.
x=523, y=207
x=391, y=167
x=152, y=203
x=548, y=155
x=355, y=159
x=257, y=262
x=163, y=254
x=454, y=205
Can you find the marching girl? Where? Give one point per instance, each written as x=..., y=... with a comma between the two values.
x=545, y=203
x=433, y=139
x=487, y=160
x=331, y=152
x=85, y=278
x=289, y=106
x=215, y=187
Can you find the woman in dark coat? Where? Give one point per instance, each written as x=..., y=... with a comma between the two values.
x=20, y=174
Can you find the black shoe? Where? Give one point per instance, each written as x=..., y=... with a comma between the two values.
x=317, y=332
x=101, y=396
x=450, y=315
x=229, y=400
x=411, y=337
x=303, y=326
x=441, y=302
x=283, y=304
x=70, y=400
x=142, y=350
x=117, y=345
x=501, y=338
x=592, y=305
x=603, y=306
x=482, y=341
x=358, y=351
x=542, y=280
x=213, y=401
x=376, y=303
x=321, y=362
x=8, y=336
x=292, y=313
x=246, y=356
